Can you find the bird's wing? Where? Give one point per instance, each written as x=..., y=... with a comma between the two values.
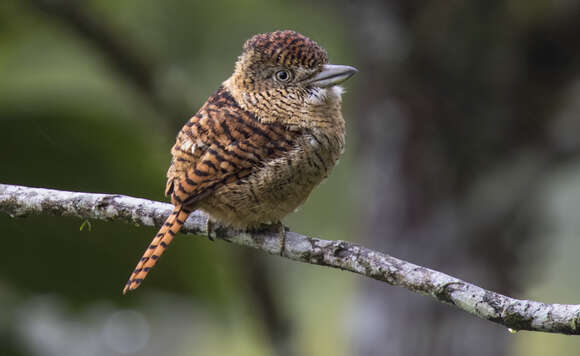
x=221, y=144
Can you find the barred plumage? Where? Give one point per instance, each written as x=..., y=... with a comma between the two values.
x=256, y=149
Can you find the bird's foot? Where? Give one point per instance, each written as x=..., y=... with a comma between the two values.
x=282, y=234
x=272, y=228
x=217, y=230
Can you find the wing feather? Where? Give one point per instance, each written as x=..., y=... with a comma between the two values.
x=222, y=143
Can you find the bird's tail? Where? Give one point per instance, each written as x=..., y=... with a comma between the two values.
x=170, y=228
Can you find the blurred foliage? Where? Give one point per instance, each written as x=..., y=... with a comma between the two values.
x=92, y=94
x=466, y=108
x=73, y=117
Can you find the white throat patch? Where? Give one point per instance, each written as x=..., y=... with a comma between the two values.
x=320, y=96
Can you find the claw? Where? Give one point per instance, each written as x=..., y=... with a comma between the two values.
x=209, y=229
x=283, y=230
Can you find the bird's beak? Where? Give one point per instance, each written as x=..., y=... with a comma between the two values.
x=330, y=75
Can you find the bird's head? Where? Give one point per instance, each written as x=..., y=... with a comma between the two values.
x=284, y=77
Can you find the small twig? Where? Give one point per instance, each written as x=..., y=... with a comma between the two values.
x=18, y=201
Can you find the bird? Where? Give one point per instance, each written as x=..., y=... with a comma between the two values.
x=259, y=145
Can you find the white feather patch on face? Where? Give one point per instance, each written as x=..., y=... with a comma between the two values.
x=321, y=96
x=337, y=91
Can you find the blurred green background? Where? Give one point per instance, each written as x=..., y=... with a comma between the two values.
x=463, y=155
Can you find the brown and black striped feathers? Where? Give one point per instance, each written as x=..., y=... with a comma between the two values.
x=287, y=48
x=170, y=228
x=259, y=145
x=222, y=144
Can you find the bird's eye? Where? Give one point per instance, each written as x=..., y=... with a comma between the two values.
x=283, y=76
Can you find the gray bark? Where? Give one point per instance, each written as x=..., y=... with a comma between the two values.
x=19, y=201
x=456, y=119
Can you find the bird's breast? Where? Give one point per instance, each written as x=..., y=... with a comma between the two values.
x=281, y=185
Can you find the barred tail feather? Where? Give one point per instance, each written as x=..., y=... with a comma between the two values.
x=170, y=228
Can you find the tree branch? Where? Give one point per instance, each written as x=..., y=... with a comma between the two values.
x=19, y=201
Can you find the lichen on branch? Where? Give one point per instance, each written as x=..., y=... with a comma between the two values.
x=513, y=313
